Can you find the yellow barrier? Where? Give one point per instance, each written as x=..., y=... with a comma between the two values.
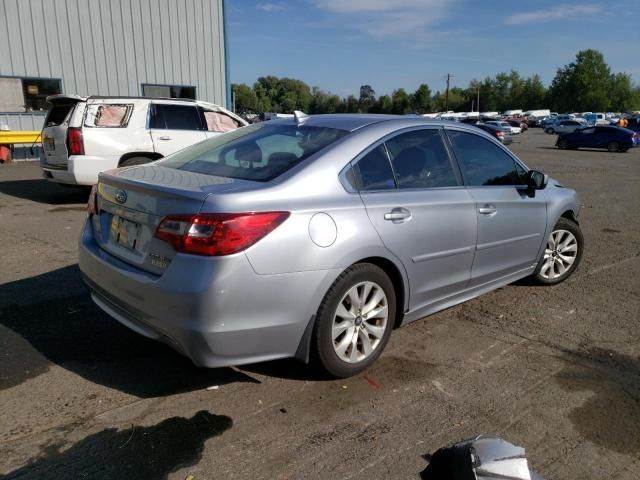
x=9, y=137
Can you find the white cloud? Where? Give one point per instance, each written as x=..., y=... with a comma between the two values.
x=271, y=7
x=556, y=13
x=386, y=18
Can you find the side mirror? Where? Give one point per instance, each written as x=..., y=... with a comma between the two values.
x=536, y=181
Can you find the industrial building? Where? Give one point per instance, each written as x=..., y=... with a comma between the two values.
x=166, y=48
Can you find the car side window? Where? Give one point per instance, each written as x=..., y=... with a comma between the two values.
x=373, y=171
x=588, y=130
x=218, y=121
x=108, y=115
x=482, y=162
x=175, y=117
x=420, y=160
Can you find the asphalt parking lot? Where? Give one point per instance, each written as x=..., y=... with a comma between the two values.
x=553, y=369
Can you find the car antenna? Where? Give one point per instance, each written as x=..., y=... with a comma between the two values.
x=300, y=117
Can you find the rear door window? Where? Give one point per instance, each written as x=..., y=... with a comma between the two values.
x=420, y=160
x=218, y=121
x=482, y=162
x=175, y=117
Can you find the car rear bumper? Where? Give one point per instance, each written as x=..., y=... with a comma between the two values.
x=216, y=311
x=79, y=169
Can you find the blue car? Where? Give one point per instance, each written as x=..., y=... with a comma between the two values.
x=614, y=139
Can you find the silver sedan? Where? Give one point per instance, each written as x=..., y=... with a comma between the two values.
x=314, y=237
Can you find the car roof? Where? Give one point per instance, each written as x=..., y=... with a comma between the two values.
x=341, y=121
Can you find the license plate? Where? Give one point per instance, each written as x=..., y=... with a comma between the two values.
x=49, y=144
x=126, y=232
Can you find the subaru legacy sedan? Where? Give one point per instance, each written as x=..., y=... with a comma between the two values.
x=315, y=236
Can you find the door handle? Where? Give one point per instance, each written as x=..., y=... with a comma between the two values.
x=487, y=209
x=164, y=137
x=397, y=215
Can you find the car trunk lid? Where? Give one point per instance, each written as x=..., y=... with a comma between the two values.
x=131, y=203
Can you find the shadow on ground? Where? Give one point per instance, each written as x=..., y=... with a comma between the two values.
x=42, y=191
x=50, y=319
x=611, y=415
x=139, y=452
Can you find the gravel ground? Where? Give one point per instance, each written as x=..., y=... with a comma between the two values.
x=553, y=369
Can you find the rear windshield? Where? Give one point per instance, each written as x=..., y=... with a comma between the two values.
x=58, y=114
x=259, y=152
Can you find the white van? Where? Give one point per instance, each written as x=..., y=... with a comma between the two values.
x=83, y=136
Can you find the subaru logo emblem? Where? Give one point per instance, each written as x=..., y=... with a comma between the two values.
x=121, y=196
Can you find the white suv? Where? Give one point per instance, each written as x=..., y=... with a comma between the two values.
x=83, y=136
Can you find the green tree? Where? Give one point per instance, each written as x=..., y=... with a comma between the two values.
x=401, y=103
x=458, y=100
x=351, y=104
x=624, y=97
x=245, y=99
x=367, y=98
x=583, y=85
x=421, y=99
x=534, y=93
x=384, y=104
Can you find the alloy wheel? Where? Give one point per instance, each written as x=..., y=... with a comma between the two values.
x=360, y=322
x=559, y=255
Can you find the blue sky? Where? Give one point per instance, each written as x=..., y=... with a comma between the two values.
x=339, y=45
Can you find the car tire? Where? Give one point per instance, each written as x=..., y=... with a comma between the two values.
x=613, y=147
x=133, y=161
x=347, y=339
x=550, y=131
x=562, y=253
x=563, y=144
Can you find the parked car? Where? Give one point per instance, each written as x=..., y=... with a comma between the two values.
x=314, y=237
x=596, y=119
x=506, y=126
x=503, y=137
x=564, y=126
x=614, y=139
x=518, y=124
x=83, y=136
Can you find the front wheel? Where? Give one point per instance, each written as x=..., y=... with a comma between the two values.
x=354, y=321
x=563, y=144
x=613, y=146
x=550, y=131
x=562, y=253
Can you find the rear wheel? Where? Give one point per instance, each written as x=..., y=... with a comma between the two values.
x=613, y=146
x=354, y=321
x=550, y=131
x=562, y=253
x=563, y=144
x=130, y=162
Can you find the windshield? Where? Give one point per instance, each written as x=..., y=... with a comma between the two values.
x=259, y=152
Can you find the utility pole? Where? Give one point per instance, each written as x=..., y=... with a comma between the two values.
x=446, y=95
x=478, y=104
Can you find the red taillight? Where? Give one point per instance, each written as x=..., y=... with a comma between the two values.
x=499, y=134
x=215, y=234
x=92, y=203
x=75, y=144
